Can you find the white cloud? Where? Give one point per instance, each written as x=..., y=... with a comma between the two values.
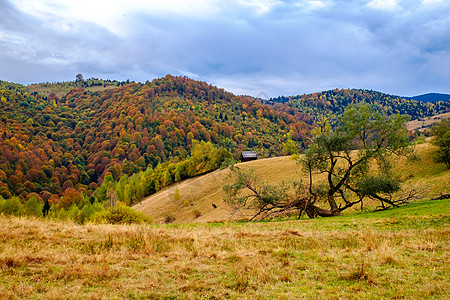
x=113, y=15
x=383, y=4
x=259, y=6
x=315, y=4
x=246, y=46
x=431, y=2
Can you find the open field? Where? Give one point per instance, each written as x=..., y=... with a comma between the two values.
x=425, y=123
x=400, y=253
x=63, y=90
x=198, y=194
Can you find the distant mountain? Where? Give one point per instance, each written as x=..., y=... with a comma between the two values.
x=335, y=101
x=430, y=97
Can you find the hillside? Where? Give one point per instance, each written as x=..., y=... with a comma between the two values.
x=55, y=143
x=198, y=194
x=61, y=89
x=422, y=124
x=49, y=144
x=335, y=101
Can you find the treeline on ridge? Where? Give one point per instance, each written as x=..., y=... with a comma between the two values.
x=335, y=101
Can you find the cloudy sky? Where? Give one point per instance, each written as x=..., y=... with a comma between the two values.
x=254, y=47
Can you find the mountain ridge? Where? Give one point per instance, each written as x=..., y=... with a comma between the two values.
x=430, y=97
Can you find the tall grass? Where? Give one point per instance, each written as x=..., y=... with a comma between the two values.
x=399, y=253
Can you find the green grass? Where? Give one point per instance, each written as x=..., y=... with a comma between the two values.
x=399, y=253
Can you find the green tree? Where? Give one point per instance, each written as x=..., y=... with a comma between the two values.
x=33, y=207
x=441, y=134
x=361, y=138
x=290, y=147
x=354, y=157
x=177, y=195
x=11, y=206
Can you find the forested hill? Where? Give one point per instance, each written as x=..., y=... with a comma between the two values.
x=51, y=143
x=431, y=97
x=335, y=101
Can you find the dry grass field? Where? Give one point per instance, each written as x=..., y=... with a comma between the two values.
x=426, y=123
x=198, y=194
x=400, y=253
x=63, y=90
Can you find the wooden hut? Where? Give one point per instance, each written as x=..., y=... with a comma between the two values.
x=248, y=156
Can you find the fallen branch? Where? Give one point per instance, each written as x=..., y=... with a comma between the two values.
x=442, y=196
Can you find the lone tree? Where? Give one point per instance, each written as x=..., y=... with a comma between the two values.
x=354, y=156
x=79, y=78
x=441, y=134
x=353, y=153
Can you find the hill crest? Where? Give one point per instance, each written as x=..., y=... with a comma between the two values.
x=430, y=97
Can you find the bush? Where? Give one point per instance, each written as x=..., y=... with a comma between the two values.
x=121, y=214
x=169, y=218
x=11, y=206
x=197, y=213
x=33, y=207
x=87, y=212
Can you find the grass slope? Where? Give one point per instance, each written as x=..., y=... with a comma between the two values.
x=425, y=123
x=62, y=88
x=198, y=194
x=201, y=192
x=394, y=254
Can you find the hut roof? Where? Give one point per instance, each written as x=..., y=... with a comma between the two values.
x=249, y=154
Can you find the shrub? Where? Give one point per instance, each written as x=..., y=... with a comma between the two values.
x=11, y=206
x=197, y=213
x=121, y=214
x=169, y=218
x=33, y=207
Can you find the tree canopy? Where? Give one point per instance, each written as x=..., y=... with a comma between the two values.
x=441, y=133
x=354, y=156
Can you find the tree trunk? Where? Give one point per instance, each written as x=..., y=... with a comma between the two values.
x=313, y=211
x=333, y=206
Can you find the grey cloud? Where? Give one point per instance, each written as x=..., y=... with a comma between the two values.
x=287, y=50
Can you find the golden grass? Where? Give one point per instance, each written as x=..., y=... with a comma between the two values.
x=425, y=123
x=337, y=258
x=63, y=90
x=198, y=194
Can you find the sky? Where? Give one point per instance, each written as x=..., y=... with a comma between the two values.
x=264, y=48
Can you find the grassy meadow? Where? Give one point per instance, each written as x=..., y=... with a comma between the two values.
x=425, y=123
x=62, y=89
x=401, y=253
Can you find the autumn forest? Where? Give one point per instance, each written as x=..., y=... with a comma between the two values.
x=64, y=142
